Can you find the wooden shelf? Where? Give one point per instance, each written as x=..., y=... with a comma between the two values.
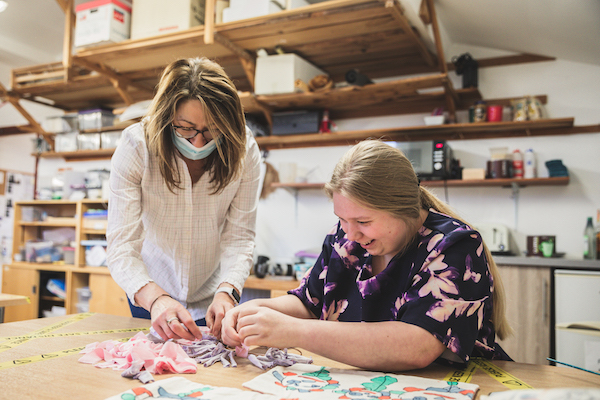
x=80, y=155
x=479, y=130
x=57, y=222
x=504, y=182
x=297, y=185
x=370, y=35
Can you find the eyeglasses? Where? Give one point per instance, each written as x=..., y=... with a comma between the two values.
x=190, y=133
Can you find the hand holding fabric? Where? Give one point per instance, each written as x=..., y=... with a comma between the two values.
x=172, y=321
x=220, y=305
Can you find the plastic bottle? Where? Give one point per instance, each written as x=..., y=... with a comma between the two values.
x=529, y=167
x=517, y=164
x=589, y=240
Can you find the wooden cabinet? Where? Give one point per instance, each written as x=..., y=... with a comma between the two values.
x=26, y=283
x=528, y=300
x=107, y=296
x=28, y=277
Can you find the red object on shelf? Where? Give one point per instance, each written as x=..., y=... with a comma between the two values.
x=494, y=113
x=325, y=128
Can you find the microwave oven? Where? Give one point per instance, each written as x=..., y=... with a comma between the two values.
x=431, y=159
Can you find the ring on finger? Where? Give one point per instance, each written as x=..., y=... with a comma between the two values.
x=172, y=319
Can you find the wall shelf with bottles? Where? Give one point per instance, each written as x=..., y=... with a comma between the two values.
x=480, y=130
x=503, y=182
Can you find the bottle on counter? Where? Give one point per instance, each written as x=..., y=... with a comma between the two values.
x=589, y=240
x=517, y=164
x=529, y=165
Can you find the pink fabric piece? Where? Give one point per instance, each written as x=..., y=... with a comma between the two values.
x=157, y=358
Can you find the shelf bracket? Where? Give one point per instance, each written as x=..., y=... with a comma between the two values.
x=515, y=196
x=397, y=13
x=119, y=83
x=36, y=127
x=247, y=60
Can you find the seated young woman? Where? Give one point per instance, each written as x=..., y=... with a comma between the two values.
x=401, y=281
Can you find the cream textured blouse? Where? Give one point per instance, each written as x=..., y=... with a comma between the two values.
x=189, y=242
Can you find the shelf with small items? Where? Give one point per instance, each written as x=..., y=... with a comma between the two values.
x=502, y=182
x=461, y=131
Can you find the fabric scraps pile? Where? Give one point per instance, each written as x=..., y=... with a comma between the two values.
x=144, y=355
x=137, y=353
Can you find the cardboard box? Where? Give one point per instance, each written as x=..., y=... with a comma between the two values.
x=102, y=21
x=157, y=17
x=469, y=174
x=278, y=73
x=242, y=9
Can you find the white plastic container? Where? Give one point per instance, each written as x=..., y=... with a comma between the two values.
x=278, y=73
x=529, y=167
x=517, y=164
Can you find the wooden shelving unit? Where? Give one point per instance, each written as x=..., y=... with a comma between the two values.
x=373, y=36
x=28, y=278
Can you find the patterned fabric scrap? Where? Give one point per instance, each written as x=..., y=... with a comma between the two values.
x=316, y=382
x=184, y=389
x=139, y=353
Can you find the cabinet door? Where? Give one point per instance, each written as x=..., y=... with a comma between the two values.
x=24, y=282
x=107, y=296
x=528, y=312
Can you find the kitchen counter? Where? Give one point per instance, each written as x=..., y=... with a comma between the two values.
x=550, y=262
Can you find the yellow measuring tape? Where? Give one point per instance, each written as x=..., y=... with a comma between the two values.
x=462, y=375
x=12, y=342
x=465, y=375
x=42, y=357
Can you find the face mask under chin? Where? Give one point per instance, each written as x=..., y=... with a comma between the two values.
x=192, y=152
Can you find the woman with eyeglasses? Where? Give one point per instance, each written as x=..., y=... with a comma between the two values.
x=182, y=207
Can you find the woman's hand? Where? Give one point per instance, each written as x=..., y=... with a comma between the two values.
x=220, y=305
x=172, y=321
x=263, y=326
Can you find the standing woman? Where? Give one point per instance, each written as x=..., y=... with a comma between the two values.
x=401, y=282
x=182, y=206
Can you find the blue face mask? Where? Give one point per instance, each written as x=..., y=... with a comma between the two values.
x=192, y=152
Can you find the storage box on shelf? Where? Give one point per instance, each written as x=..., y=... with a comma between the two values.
x=155, y=17
x=102, y=21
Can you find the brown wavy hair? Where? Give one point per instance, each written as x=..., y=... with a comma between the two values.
x=204, y=80
x=380, y=177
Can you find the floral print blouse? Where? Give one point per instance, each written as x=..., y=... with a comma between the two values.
x=441, y=283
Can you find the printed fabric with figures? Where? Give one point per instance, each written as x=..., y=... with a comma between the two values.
x=316, y=382
x=309, y=382
x=441, y=283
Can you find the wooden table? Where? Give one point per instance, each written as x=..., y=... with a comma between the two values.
x=44, y=368
x=11, y=300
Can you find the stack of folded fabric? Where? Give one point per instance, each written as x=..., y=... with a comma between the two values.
x=556, y=168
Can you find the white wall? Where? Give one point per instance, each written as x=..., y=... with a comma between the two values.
x=290, y=221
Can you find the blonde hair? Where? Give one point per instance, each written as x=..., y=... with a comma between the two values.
x=380, y=177
x=206, y=81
